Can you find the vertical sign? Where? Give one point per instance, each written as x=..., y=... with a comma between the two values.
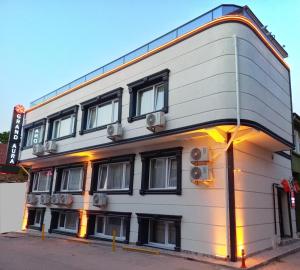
x=15, y=135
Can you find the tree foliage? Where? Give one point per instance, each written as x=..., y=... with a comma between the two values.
x=4, y=136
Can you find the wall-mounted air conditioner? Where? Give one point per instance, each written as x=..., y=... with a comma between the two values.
x=155, y=121
x=55, y=199
x=100, y=199
x=32, y=199
x=65, y=199
x=45, y=199
x=114, y=131
x=200, y=173
x=50, y=146
x=38, y=149
x=199, y=154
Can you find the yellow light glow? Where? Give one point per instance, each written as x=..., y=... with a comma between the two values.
x=216, y=135
x=83, y=224
x=81, y=154
x=25, y=218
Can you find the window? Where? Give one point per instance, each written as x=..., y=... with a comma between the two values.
x=150, y=99
x=297, y=141
x=38, y=217
x=35, y=218
x=148, y=95
x=68, y=221
x=161, y=171
x=62, y=124
x=42, y=181
x=72, y=179
x=162, y=231
x=63, y=127
x=103, y=115
x=113, y=175
x=105, y=225
x=100, y=111
x=34, y=136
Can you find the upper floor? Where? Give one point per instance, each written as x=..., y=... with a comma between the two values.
x=222, y=72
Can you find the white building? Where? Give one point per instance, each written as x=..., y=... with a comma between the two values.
x=118, y=143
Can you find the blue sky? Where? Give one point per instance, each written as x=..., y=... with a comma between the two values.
x=45, y=44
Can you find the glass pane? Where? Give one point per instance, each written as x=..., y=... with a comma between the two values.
x=116, y=111
x=172, y=174
x=62, y=220
x=75, y=179
x=115, y=176
x=64, y=182
x=43, y=181
x=71, y=221
x=157, y=173
x=37, y=135
x=29, y=137
x=102, y=176
x=104, y=115
x=172, y=234
x=159, y=97
x=37, y=217
x=65, y=127
x=99, y=224
x=35, y=181
x=127, y=175
x=145, y=101
x=113, y=223
x=157, y=232
x=91, y=118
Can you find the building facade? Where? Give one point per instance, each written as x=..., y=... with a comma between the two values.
x=177, y=145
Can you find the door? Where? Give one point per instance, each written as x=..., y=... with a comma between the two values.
x=284, y=213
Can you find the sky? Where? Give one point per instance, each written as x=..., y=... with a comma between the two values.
x=46, y=44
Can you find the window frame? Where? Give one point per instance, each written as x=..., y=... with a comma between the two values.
x=33, y=125
x=144, y=220
x=156, y=79
x=68, y=179
x=31, y=182
x=59, y=120
x=129, y=159
x=49, y=181
x=59, y=178
x=146, y=158
x=63, y=229
x=99, y=101
x=297, y=141
x=32, y=218
x=166, y=245
x=59, y=116
x=91, y=225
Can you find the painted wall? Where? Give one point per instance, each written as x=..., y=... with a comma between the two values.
x=12, y=198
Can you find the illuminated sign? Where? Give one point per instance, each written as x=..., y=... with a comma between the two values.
x=15, y=135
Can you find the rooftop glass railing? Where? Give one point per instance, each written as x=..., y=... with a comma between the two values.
x=179, y=31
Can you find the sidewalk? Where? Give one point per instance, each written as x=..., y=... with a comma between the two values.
x=253, y=262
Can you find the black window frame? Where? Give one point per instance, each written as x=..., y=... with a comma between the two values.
x=30, y=187
x=91, y=215
x=97, y=101
x=61, y=114
x=55, y=219
x=147, y=156
x=134, y=87
x=95, y=170
x=35, y=124
x=58, y=178
x=143, y=231
x=31, y=218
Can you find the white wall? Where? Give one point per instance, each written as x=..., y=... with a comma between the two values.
x=12, y=198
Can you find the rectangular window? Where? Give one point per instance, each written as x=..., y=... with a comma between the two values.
x=297, y=141
x=42, y=181
x=34, y=136
x=63, y=127
x=68, y=221
x=72, y=179
x=103, y=114
x=114, y=176
x=150, y=99
x=161, y=171
x=105, y=225
x=162, y=233
x=38, y=217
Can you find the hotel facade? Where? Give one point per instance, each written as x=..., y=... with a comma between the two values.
x=181, y=144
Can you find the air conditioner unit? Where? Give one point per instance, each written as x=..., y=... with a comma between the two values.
x=32, y=199
x=200, y=173
x=199, y=154
x=45, y=199
x=51, y=146
x=155, y=121
x=100, y=199
x=65, y=199
x=55, y=199
x=114, y=131
x=38, y=149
